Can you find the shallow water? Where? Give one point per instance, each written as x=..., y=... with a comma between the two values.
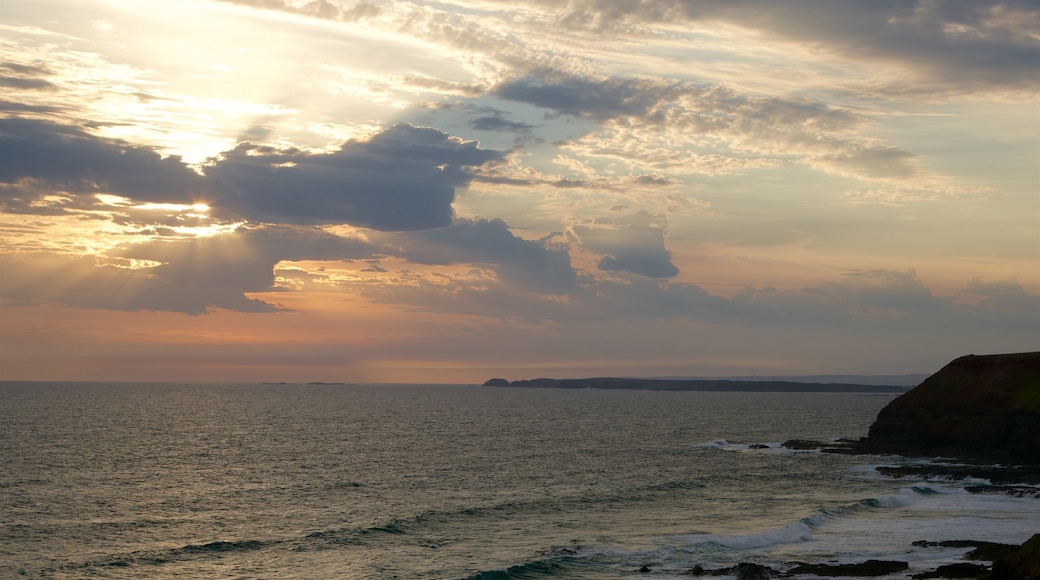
x=406, y=481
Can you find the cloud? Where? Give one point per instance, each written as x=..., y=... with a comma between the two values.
x=195, y=275
x=498, y=122
x=13, y=107
x=79, y=281
x=188, y=275
x=67, y=159
x=403, y=178
x=25, y=77
x=594, y=98
x=316, y=8
x=950, y=46
x=22, y=83
x=519, y=263
x=1003, y=299
x=647, y=123
x=633, y=244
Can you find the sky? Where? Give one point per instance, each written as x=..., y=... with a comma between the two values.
x=449, y=191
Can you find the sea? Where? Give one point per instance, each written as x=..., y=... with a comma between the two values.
x=153, y=480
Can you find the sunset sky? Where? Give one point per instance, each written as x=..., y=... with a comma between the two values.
x=390, y=191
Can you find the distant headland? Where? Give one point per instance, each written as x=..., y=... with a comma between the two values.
x=775, y=386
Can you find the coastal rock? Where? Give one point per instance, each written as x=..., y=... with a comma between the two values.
x=1002, y=477
x=986, y=551
x=846, y=446
x=742, y=571
x=1021, y=564
x=496, y=383
x=984, y=407
x=863, y=569
x=961, y=570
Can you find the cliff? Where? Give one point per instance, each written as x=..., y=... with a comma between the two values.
x=983, y=407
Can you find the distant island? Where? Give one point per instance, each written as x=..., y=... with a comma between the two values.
x=773, y=386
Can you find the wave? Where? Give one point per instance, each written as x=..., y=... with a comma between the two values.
x=535, y=569
x=802, y=530
x=902, y=497
x=220, y=547
x=354, y=535
x=421, y=521
x=157, y=557
x=772, y=447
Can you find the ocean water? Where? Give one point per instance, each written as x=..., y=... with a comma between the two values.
x=455, y=482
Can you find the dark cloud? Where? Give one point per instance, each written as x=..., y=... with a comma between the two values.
x=955, y=45
x=25, y=69
x=705, y=108
x=652, y=180
x=520, y=263
x=649, y=263
x=633, y=244
x=68, y=159
x=1006, y=298
x=594, y=98
x=16, y=107
x=499, y=122
x=401, y=179
x=26, y=84
x=81, y=282
x=193, y=275
x=868, y=161
x=816, y=134
x=25, y=77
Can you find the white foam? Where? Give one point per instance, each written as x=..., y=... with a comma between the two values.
x=771, y=447
x=902, y=498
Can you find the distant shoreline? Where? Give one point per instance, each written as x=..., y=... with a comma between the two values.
x=724, y=385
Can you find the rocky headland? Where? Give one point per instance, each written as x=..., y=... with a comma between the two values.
x=983, y=413
x=977, y=407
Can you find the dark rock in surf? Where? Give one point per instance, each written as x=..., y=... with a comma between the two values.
x=961, y=570
x=1020, y=564
x=864, y=569
x=742, y=571
x=979, y=407
x=749, y=571
x=1001, y=477
x=840, y=446
x=985, y=551
x=1011, y=490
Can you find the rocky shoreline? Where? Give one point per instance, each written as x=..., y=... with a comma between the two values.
x=986, y=561
x=975, y=420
